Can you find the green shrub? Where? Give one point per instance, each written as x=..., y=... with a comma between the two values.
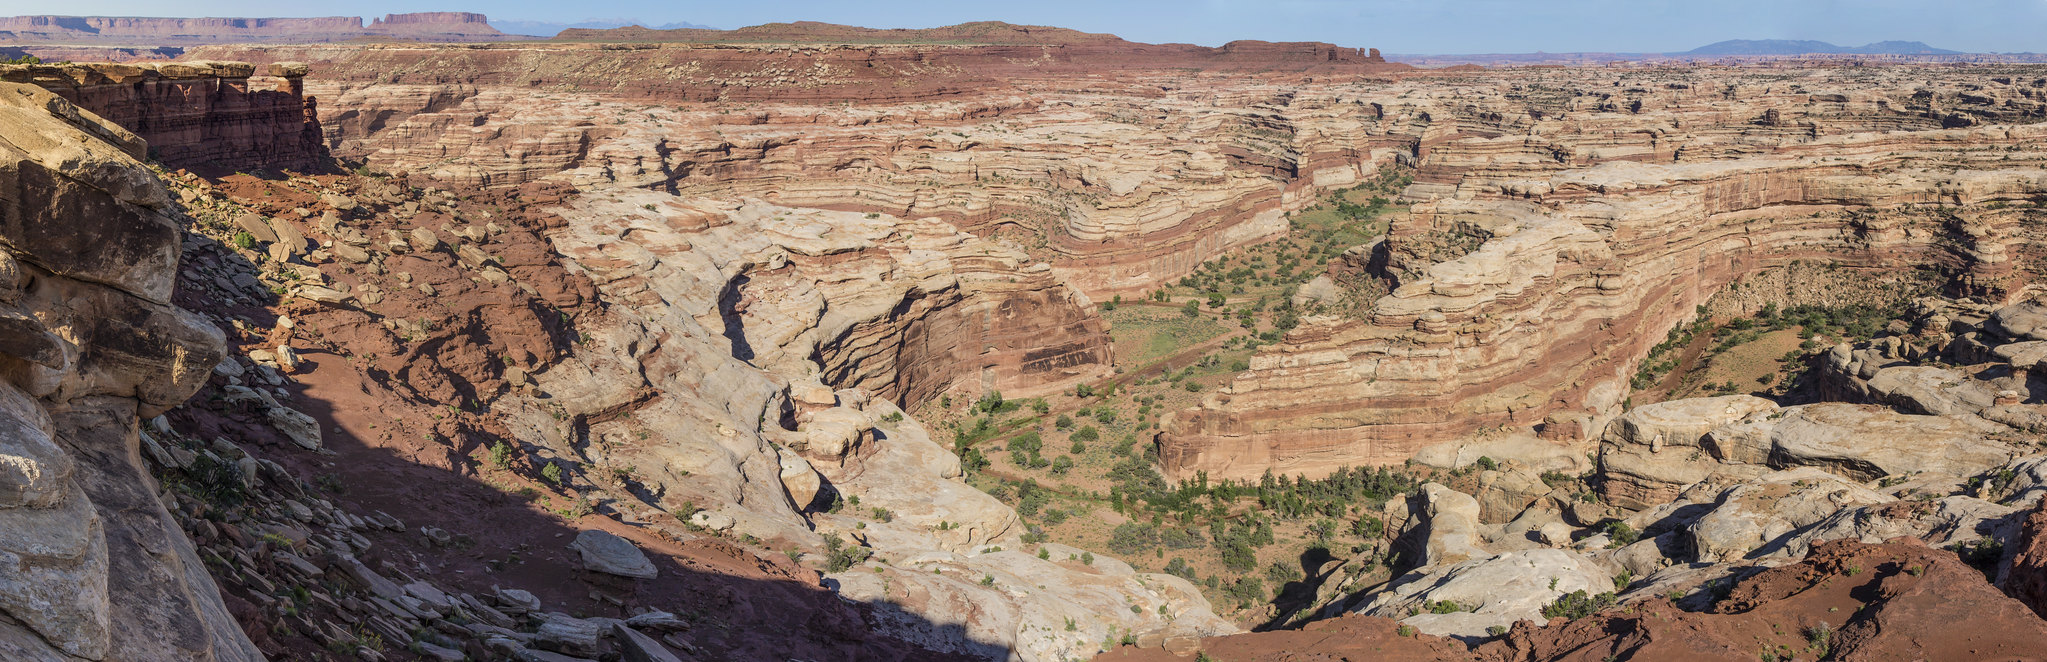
x=1621, y=534
x=500, y=454
x=839, y=556
x=1576, y=605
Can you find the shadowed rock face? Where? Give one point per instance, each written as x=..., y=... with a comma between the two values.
x=95, y=567
x=1557, y=236
x=213, y=116
x=769, y=332
x=1889, y=601
x=2026, y=577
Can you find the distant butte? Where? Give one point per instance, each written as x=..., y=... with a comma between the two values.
x=135, y=31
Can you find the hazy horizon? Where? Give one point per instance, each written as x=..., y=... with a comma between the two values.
x=1393, y=26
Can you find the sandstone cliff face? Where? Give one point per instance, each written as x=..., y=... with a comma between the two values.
x=89, y=345
x=1525, y=299
x=210, y=115
x=1122, y=186
x=735, y=379
x=900, y=309
x=1117, y=207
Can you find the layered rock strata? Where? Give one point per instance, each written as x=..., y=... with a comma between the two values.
x=95, y=566
x=900, y=309
x=1531, y=301
x=220, y=116
x=1864, y=601
x=744, y=352
x=1121, y=187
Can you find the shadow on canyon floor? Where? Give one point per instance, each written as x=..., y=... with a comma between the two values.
x=387, y=452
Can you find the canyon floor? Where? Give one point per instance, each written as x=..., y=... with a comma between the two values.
x=998, y=343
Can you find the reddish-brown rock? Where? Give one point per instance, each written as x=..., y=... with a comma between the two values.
x=219, y=116
x=1846, y=601
x=2026, y=577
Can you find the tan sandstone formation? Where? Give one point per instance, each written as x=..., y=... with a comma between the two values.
x=1525, y=297
x=1121, y=186
x=708, y=385
x=94, y=566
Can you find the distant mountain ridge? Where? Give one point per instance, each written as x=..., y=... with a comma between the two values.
x=1804, y=46
x=549, y=29
x=161, y=31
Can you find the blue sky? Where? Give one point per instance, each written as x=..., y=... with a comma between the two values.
x=1395, y=26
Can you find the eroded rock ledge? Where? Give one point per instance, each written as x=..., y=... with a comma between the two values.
x=1563, y=282
x=219, y=116
x=95, y=568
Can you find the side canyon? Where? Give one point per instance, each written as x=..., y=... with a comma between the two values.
x=1013, y=343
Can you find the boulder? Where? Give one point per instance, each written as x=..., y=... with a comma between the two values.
x=288, y=237
x=257, y=226
x=799, y=479
x=2024, y=576
x=639, y=647
x=1864, y=443
x=610, y=554
x=1747, y=517
x=1930, y=390
x=1451, y=524
x=1504, y=493
x=2020, y=321
x=302, y=429
x=1655, y=451
x=834, y=432
x=1485, y=592
x=1938, y=523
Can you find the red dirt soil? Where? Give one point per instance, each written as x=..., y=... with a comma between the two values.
x=405, y=435
x=1846, y=601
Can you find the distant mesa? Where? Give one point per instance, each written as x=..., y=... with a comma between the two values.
x=977, y=33
x=1806, y=46
x=138, y=31
x=547, y=29
x=1094, y=48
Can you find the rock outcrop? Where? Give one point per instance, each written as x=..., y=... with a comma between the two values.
x=769, y=332
x=900, y=309
x=1845, y=600
x=1120, y=192
x=1468, y=599
x=1528, y=297
x=2026, y=576
x=95, y=566
x=219, y=116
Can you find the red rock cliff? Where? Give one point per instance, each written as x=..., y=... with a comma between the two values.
x=206, y=115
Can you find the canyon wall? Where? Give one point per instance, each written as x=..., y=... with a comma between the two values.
x=90, y=345
x=218, y=116
x=1536, y=269
x=899, y=309
x=1131, y=180
x=744, y=349
x=1121, y=184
